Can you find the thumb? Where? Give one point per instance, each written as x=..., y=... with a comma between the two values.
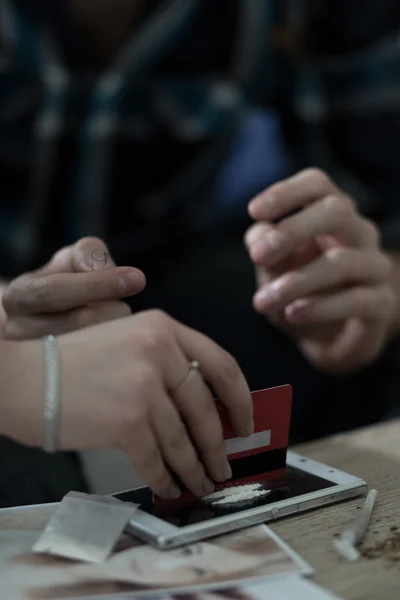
x=90, y=254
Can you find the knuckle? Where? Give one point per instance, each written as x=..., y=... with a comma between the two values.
x=89, y=241
x=161, y=482
x=133, y=419
x=385, y=266
x=287, y=283
x=388, y=300
x=255, y=233
x=85, y=316
x=318, y=176
x=114, y=310
x=156, y=319
x=372, y=231
x=178, y=440
x=143, y=382
x=158, y=334
x=191, y=468
x=60, y=255
x=228, y=365
x=214, y=448
x=124, y=309
x=132, y=410
x=149, y=459
x=277, y=189
x=339, y=257
x=9, y=299
x=336, y=207
x=26, y=293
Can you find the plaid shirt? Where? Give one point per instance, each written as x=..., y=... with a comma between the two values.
x=130, y=152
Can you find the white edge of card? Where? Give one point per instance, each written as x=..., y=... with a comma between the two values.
x=241, y=444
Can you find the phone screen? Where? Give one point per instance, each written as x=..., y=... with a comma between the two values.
x=294, y=483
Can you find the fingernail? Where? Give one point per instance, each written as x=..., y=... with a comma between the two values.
x=254, y=235
x=266, y=298
x=270, y=244
x=208, y=486
x=250, y=428
x=298, y=310
x=130, y=282
x=263, y=202
x=227, y=472
x=174, y=492
x=274, y=240
x=258, y=249
x=253, y=204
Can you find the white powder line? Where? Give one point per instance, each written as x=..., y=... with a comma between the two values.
x=242, y=497
x=232, y=490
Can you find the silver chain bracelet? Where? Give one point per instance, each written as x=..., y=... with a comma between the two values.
x=52, y=394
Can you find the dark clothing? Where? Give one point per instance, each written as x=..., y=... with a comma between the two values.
x=130, y=152
x=29, y=476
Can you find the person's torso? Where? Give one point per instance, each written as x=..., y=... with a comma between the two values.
x=92, y=143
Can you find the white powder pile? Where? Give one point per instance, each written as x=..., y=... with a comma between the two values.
x=236, y=494
x=242, y=496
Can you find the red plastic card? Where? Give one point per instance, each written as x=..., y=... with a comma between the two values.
x=263, y=454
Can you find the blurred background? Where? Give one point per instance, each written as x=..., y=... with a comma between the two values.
x=152, y=123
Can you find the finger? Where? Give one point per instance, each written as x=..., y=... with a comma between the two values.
x=291, y=194
x=199, y=411
x=189, y=392
x=142, y=448
x=33, y=327
x=59, y=263
x=338, y=266
x=257, y=232
x=367, y=303
x=65, y=291
x=83, y=250
x=177, y=449
x=358, y=344
x=76, y=258
x=330, y=216
x=224, y=374
x=257, y=238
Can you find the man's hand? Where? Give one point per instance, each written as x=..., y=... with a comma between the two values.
x=66, y=294
x=322, y=275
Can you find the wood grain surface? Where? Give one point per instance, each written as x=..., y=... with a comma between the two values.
x=374, y=455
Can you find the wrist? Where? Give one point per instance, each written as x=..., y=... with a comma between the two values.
x=22, y=398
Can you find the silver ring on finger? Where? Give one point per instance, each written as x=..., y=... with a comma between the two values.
x=194, y=367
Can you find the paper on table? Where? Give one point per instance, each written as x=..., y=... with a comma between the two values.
x=26, y=575
x=85, y=527
x=253, y=553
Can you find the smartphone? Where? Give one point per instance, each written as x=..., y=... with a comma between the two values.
x=305, y=484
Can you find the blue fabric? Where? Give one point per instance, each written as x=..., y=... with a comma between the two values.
x=257, y=159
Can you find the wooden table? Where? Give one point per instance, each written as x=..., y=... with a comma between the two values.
x=374, y=455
